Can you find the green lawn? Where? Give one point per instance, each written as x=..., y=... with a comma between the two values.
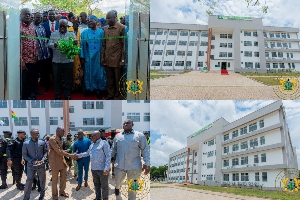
x=250, y=192
x=154, y=76
x=267, y=80
x=158, y=186
x=271, y=74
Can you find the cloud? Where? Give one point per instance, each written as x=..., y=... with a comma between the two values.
x=173, y=121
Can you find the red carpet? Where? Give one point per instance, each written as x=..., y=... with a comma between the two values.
x=224, y=72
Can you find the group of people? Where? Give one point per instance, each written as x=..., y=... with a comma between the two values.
x=122, y=154
x=98, y=68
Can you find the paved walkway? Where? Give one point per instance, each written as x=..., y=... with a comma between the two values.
x=174, y=192
x=85, y=193
x=212, y=85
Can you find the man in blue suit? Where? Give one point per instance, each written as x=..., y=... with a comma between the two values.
x=50, y=26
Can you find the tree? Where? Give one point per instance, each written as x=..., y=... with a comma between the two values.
x=212, y=4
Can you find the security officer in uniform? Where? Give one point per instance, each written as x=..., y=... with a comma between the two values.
x=3, y=157
x=14, y=158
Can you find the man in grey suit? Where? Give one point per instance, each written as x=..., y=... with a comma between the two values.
x=34, y=151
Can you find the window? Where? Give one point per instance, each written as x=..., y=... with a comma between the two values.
x=254, y=142
x=243, y=130
x=201, y=53
x=247, y=43
x=173, y=33
x=226, y=149
x=168, y=63
x=203, y=43
x=188, y=63
x=244, y=177
x=155, y=63
x=254, y=34
x=21, y=122
x=268, y=65
x=277, y=35
x=3, y=103
x=183, y=33
x=210, y=154
x=193, y=43
x=179, y=63
x=210, y=165
x=200, y=64
x=53, y=120
x=274, y=54
x=275, y=65
x=280, y=55
x=226, y=163
x=223, y=45
x=257, y=65
x=159, y=32
x=235, y=161
x=223, y=35
x=229, y=45
x=152, y=32
x=292, y=55
x=244, y=145
x=256, y=176
x=171, y=42
x=256, y=159
x=151, y=41
x=272, y=44
x=264, y=176
x=158, y=52
x=163, y=42
x=19, y=103
x=278, y=44
x=88, y=104
x=265, y=35
x=230, y=36
x=285, y=45
x=135, y=117
x=271, y=35
x=249, y=65
x=133, y=101
x=248, y=53
x=235, y=177
x=252, y=127
x=157, y=42
x=56, y=103
x=146, y=117
x=170, y=52
x=229, y=54
x=235, y=147
x=263, y=157
x=72, y=124
x=35, y=121
x=99, y=121
x=226, y=137
x=256, y=54
x=266, y=45
x=71, y=109
x=180, y=53
x=4, y=121
x=247, y=33
x=211, y=142
x=204, y=34
x=189, y=53
x=37, y=103
x=88, y=121
x=290, y=45
x=182, y=43
x=99, y=104
x=261, y=124
x=225, y=177
x=244, y=160
x=223, y=54
x=194, y=34
x=235, y=134
x=262, y=140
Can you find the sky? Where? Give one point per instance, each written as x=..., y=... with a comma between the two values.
x=173, y=121
x=282, y=13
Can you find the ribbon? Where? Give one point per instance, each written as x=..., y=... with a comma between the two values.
x=68, y=47
x=105, y=38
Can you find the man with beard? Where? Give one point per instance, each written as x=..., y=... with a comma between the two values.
x=94, y=73
x=61, y=64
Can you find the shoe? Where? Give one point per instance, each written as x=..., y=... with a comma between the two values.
x=3, y=186
x=41, y=197
x=86, y=184
x=67, y=98
x=117, y=192
x=38, y=92
x=78, y=187
x=57, y=98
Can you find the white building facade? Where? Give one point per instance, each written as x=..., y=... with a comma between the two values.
x=239, y=44
x=73, y=115
x=248, y=152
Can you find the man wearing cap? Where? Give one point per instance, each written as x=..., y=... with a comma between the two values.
x=14, y=157
x=128, y=148
x=35, y=152
x=3, y=157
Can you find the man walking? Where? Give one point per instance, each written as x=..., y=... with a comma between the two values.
x=14, y=158
x=61, y=64
x=58, y=163
x=128, y=147
x=99, y=153
x=35, y=152
x=81, y=145
x=113, y=55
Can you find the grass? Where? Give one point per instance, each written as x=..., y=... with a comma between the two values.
x=158, y=186
x=154, y=76
x=267, y=80
x=271, y=74
x=249, y=192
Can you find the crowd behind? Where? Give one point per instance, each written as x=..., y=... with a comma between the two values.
x=117, y=155
x=97, y=70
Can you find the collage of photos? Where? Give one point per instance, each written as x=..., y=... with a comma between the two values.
x=79, y=80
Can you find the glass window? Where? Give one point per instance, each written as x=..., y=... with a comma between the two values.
x=183, y=33
x=135, y=117
x=3, y=103
x=155, y=63
x=235, y=177
x=244, y=160
x=171, y=42
x=244, y=177
x=21, y=122
x=53, y=120
x=271, y=35
x=211, y=142
x=35, y=103
x=190, y=53
x=173, y=33
x=201, y=53
x=193, y=43
x=203, y=43
x=277, y=35
x=222, y=54
x=99, y=121
x=194, y=34
x=257, y=65
x=235, y=147
x=133, y=101
x=264, y=176
x=235, y=161
x=210, y=154
x=266, y=45
x=210, y=165
x=256, y=176
x=226, y=149
x=262, y=140
x=188, y=63
x=229, y=45
x=225, y=177
x=256, y=159
x=170, y=52
x=157, y=42
x=254, y=142
x=247, y=33
x=223, y=45
x=179, y=63
x=168, y=63
x=204, y=34
x=230, y=36
x=159, y=32
x=272, y=44
x=248, y=53
x=275, y=65
x=88, y=121
x=152, y=32
x=290, y=45
x=151, y=41
x=279, y=44
x=163, y=42
x=280, y=55
x=252, y=127
x=223, y=35
x=235, y=134
x=243, y=130
x=226, y=137
x=229, y=54
x=263, y=157
x=247, y=43
x=283, y=35
x=4, y=121
x=88, y=105
x=226, y=163
x=267, y=54
x=265, y=35
x=146, y=117
x=254, y=34
x=99, y=104
x=274, y=54
x=180, y=53
x=256, y=44
x=158, y=52
x=19, y=103
x=268, y=65
x=256, y=54
x=35, y=121
x=244, y=145
x=249, y=65
x=261, y=124
x=182, y=43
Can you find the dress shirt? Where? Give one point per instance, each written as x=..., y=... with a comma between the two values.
x=99, y=153
x=81, y=146
x=29, y=50
x=128, y=147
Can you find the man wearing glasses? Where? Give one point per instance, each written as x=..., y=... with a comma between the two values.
x=61, y=64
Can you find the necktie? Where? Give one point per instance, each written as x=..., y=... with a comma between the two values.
x=52, y=27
